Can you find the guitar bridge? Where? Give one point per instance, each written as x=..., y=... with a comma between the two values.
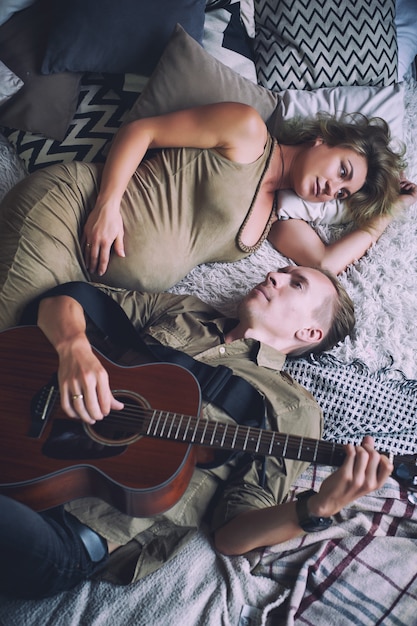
x=41, y=406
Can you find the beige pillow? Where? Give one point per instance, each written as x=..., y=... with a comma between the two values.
x=186, y=76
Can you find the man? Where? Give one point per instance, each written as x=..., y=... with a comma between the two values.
x=294, y=311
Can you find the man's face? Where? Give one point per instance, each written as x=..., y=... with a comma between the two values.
x=285, y=302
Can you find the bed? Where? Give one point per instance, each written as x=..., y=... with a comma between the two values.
x=362, y=569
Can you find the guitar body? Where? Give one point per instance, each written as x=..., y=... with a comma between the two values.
x=139, y=459
x=46, y=461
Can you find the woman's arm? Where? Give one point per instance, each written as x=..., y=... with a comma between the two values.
x=363, y=471
x=295, y=238
x=236, y=130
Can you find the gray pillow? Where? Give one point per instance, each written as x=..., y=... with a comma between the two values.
x=45, y=104
x=9, y=83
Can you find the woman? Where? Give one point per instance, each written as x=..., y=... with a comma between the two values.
x=369, y=210
x=212, y=199
x=313, y=160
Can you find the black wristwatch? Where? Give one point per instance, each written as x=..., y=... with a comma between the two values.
x=310, y=523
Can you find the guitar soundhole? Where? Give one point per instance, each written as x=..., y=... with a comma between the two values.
x=71, y=439
x=121, y=428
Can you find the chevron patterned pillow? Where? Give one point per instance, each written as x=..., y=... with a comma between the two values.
x=307, y=44
x=103, y=104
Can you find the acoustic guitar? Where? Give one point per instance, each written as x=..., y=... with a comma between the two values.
x=139, y=459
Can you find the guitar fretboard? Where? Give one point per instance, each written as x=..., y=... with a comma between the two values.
x=227, y=436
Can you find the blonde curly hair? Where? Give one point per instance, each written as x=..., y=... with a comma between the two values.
x=368, y=137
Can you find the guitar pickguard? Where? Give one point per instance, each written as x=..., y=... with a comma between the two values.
x=68, y=440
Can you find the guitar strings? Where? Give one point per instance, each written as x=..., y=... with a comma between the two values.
x=133, y=416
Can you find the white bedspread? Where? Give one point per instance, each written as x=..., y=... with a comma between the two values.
x=197, y=588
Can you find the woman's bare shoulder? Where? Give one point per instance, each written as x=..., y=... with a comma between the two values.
x=245, y=132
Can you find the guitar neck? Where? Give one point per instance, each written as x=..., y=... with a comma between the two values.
x=228, y=436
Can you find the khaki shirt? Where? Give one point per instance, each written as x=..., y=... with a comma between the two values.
x=188, y=324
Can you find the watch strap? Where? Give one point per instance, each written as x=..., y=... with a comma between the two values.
x=309, y=523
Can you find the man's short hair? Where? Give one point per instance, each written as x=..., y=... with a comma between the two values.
x=337, y=313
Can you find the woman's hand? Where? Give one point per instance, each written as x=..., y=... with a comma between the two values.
x=102, y=231
x=84, y=382
x=408, y=195
x=406, y=198
x=363, y=471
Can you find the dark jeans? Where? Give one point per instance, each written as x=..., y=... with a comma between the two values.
x=42, y=554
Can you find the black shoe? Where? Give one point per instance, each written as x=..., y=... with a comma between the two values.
x=94, y=543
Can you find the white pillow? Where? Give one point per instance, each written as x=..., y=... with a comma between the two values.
x=316, y=44
x=289, y=205
x=9, y=83
x=9, y=7
x=405, y=23
x=385, y=102
x=247, y=15
x=232, y=52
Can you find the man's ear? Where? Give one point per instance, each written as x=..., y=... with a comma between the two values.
x=309, y=335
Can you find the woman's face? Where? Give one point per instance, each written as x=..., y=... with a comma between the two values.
x=324, y=173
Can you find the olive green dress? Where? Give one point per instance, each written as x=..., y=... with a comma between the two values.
x=182, y=207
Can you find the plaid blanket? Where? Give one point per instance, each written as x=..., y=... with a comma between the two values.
x=362, y=570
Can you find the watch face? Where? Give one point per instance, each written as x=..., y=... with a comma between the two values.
x=314, y=524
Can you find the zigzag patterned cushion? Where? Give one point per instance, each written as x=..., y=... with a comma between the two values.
x=307, y=44
x=103, y=103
